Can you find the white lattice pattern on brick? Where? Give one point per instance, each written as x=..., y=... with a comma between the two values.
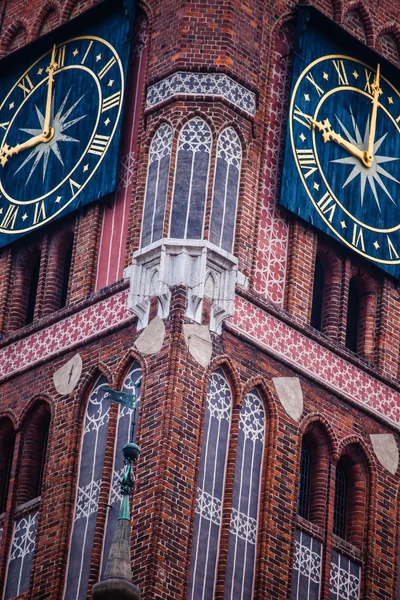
x=313, y=359
x=271, y=255
x=68, y=333
x=202, y=84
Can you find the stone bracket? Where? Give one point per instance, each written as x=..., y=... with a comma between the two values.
x=206, y=270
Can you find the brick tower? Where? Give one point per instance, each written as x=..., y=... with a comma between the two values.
x=198, y=202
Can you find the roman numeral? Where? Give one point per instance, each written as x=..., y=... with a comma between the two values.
x=368, y=81
x=111, y=101
x=60, y=57
x=86, y=53
x=75, y=187
x=10, y=217
x=327, y=206
x=302, y=117
x=358, y=237
x=40, y=213
x=310, y=78
x=4, y=125
x=26, y=86
x=398, y=119
x=107, y=67
x=306, y=160
x=99, y=144
x=341, y=72
x=392, y=249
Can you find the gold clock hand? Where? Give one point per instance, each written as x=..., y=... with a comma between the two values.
x=48, y=131
x=328, y=134
x=376, y=92
x=6, y=151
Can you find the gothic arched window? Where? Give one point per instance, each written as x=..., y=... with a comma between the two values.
x=340, y=506
x=226, y=189
x=304, y=483
x=191, y=179
x=157, y=185
x=207, y=524
x=239, y=581
x=353, y=316
x=93, y=448
x=7, y=439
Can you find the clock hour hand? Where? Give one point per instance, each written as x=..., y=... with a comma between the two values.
x=6, y=151
x=376, y=92
x=48, y=131
x=329, y=135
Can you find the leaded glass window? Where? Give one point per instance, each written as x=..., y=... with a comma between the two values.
x=226, y=189
x=239, y=581
x=21, y=555
x=345, y=577
x=126, y=416
x=156, y=185
x=304, y=483
x=191, y=180
x=89, y=482
x=340, y=507
x=307, y=567
x=210, y=490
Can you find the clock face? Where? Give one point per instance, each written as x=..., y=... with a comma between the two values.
x=56, y=125
x=344, y=126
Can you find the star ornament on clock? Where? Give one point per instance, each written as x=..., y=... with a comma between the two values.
x=373, y=174
x=60, y=123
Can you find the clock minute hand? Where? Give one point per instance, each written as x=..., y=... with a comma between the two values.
x=376, y=92
x=329, y=135
x=48, y=132
x=6, y=150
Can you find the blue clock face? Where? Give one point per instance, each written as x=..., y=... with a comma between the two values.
x=57, y=124
x=344, y=127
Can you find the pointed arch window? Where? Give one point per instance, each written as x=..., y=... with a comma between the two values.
x=156, y=185
x=93, y=448
x=35, y=433
x=340, y=507
x=191, y=180
x=96, y=437
x=226, y=189
x=239, y=581
x=304, y=484
x=207, y=525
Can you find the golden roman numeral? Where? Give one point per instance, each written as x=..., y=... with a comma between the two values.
x=368, y=82
x=111, y=101
x=5, y=125
x=319, y=89
x=75, y=187
x=26, y=85
x=40, y=212
x=341, y=72
x=301, y=117
x=327, y=205
x=307, y=161
x=107, y=67
x=10, y=217
x=392, y=249
x=358, y=237
x=86, y=53
x=99, y=144
x=60, y=58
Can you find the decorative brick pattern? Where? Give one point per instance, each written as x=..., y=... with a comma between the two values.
x=214, y=85
x=315, y=360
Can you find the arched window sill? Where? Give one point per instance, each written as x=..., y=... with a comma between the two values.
x=345, y=547
x=311, y=528
x=27, y=507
